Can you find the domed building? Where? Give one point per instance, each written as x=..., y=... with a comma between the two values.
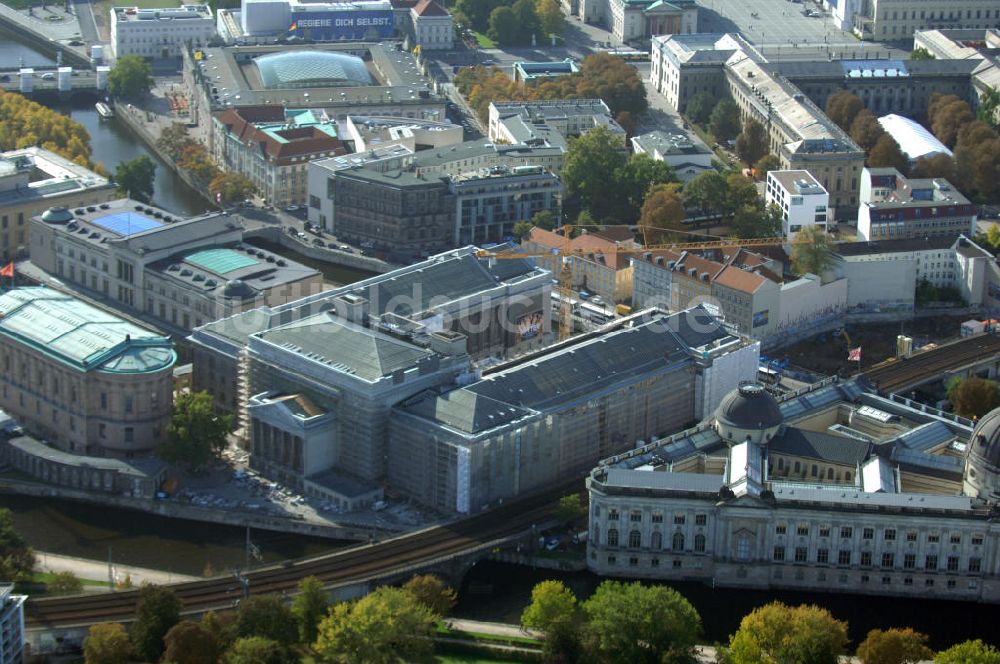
x=982, y=459
x=748, y=413
x=311, y=69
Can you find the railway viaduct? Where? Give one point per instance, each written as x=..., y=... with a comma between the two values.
x=964, y=357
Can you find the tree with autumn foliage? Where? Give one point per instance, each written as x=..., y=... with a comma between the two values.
x=894, y=646
x=973, y=397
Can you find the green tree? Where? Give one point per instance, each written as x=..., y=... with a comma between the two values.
x=527, y=20
x=221, y=626
x=866, y=130
x=921, y=53
x=17, y=559
x=189, y=642
x=570, y=509
x=380, y=628
x=544, y=219
x=640, y=624
x=228, y=188
x=843, y=107
x=157, y=610
x=256, y=650
x=779, y=633
x=433, y=593
x=552, y=605
x=989, y=102
x=969, y=652
x=755, y=220
x=521, y=229
x=765, y=165
x=477, y=12
x=562, y=644
x=267, y=616
x=751, y=144
x=724, y=123
x=811, y=252
x=588, y=171
x=585, y=222
x=936, y=166
x=993, y=236
x=699, y=107
x=741, y=192
x=973, y=397
x=173, y=139
x=131, y=77
x=504, y=27
x=550, y=17
x=636, y=178
x=196, y=432
x=64, y=583
x=106, y=643
x=663, y=214
x=887, y=153
x=894, y=646
x=705, y=192
x=135, y=178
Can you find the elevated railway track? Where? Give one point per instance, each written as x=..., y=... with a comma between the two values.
x=361, y=564
x=904, y=374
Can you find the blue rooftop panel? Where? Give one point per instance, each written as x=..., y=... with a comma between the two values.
x=126, y=223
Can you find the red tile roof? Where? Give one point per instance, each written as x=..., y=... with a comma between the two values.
x=429, y=8
x=301, y=141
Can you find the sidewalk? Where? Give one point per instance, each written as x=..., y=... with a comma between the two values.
x=98, y=571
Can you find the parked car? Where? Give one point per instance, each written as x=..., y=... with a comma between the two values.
x=344, y=247
x=302, y=236
x=292, y=208
x=48, y=76
x=318, y=242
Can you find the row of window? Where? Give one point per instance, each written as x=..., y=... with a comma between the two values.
x=636, y=516
x=677, y=541
x=888, y=559
x=868, y=533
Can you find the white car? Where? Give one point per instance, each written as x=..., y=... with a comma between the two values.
x=292, y=208
x=302, y=236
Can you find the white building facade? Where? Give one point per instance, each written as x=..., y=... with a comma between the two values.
x=160, y=33
x=11, y=625
x=433, y=26
x=803, y=201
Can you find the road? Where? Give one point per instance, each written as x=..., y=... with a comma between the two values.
x=84, y=11
x=98, y=571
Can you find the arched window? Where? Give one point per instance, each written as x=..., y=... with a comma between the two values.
x=699, y=542
x=678, y=543
x=781, y=463
x=815, y=470
x=634, y=539
x=797, y=467
x=847, y=477
x=612, y=537
x=657, y=542
x=595, y=538
x=829, y=473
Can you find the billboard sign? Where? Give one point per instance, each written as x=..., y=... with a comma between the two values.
x=342, y=25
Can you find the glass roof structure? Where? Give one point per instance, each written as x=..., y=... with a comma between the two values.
x=126, y=223
x=311, y=69
x=220, y=261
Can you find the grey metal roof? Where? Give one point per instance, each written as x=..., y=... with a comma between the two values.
x=651, y=479
x=937, y=465
x=816, y=445
x=841, y=496
x=466, y=411
x=140, y=468
x=893, y=246
x=345, y=346
x=927, y=436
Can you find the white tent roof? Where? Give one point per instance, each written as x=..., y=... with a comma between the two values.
x=913, y=139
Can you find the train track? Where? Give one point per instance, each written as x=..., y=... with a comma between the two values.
x=356, y=564
x=896, y=375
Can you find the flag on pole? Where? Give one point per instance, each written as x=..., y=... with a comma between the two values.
x=854, y=355
x=7, y=270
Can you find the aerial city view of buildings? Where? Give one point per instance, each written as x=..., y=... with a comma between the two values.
x=697, y=293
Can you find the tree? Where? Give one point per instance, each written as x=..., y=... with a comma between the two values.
x=106, y=643
x=635, y=179
x=544, y=219
x=811, y=252
x=588, y=171
x=267, y=616
x=157, y=610
x=195, y=160
x=640, y=624
x=64, y=583
x=866, y=130
x=936, y=166
x=887, y=153
x=969, y=652
x=222, y=627
x=921, y=53
x=550, y=17
x=196, y=432
x=173, y=139
x=778, y=633
x=604, y=76
x=699, y=107
x=521, y=229
x=741, y=192
x=986, y=170
x=993, y=236
x=570, y=509
x=894, y=646
x=705, y=192
x=433, y=593
x=131, y=77
x=552, y=605
x=584, y=222
x=562, y=644
x=626, y=121
x=973, y=397
x=989, y=102
x=476, y=12
x=189, y=642
x=661, y=213
x=17, y=559
x=756, y=221
x=135, y=178
x=228, y=188
x=724, y=123
x=843, y=107
x=380, y=628
x=504, y=27
x=949, y=118
x=256, y=650
x=765, y=165
x=751, y=144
